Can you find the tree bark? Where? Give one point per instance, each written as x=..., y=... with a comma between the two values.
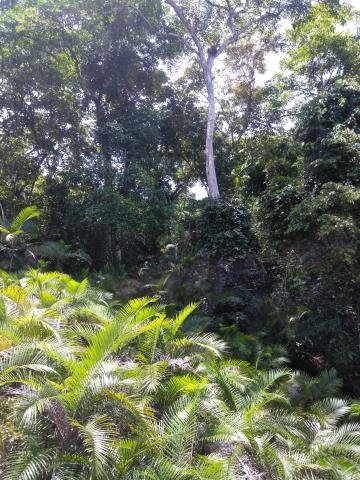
x=207, y=65
x=211, y=176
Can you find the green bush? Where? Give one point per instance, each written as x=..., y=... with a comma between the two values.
x=225, y=231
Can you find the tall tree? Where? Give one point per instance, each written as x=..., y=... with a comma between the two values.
x=211, y=27
x=88, y=116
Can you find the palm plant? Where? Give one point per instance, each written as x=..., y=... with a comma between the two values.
x=18, y=250
x=15, y=247
x=58, y=253
x=102, y=392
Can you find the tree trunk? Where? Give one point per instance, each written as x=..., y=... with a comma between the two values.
x=207, y=63
x=211, y=177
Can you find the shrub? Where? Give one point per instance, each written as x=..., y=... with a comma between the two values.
x=225, y=231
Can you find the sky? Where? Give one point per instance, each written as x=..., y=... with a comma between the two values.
x=272, y=67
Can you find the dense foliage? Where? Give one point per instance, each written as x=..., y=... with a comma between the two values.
x=102, y=391
x=108, y=111
x=304, y=189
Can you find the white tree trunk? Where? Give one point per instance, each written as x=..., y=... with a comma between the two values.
x=209, y=147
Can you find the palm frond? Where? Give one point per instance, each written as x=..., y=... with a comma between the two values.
x=29, y=466
x=24, y=216
x=98, y=436
x=180, y=318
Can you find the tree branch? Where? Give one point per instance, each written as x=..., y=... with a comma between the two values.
x=237, y=32
x=231, y=16
x=213, y=4
x=189, y=28
x=152, y=27
x=154, y=30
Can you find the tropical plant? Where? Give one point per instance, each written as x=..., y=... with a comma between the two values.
x=15, y=246
x=58, y=253
x=104, y=392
